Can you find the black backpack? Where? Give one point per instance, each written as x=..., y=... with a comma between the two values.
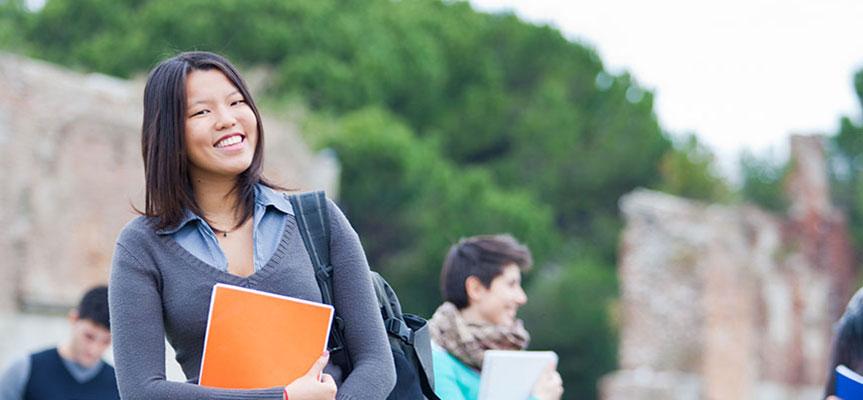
x=408, y=334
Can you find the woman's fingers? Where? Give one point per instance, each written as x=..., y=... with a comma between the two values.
x=318, y=367
x=314, y=385
x=328, y=382
x=549, y=386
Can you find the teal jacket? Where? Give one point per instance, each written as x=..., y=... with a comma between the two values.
x=453, y=379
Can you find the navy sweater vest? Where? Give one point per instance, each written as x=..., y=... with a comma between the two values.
x=49, y=379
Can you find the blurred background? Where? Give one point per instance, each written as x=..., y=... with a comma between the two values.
x=665, y=268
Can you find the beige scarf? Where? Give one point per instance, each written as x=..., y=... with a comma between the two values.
x=468, y=341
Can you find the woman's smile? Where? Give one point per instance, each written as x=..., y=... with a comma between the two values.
x=232, y=141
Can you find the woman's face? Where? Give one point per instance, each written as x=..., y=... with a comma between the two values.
x=499, y=303
x=221, y=128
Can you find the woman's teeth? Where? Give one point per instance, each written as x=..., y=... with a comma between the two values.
x=229, y=141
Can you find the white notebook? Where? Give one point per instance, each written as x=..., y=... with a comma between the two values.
x=510, y=375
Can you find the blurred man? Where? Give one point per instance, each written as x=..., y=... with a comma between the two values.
x=74, y=369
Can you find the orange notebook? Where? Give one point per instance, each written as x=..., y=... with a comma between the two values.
x=259, y=340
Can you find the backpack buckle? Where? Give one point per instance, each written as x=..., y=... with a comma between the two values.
x=397, y=327
x=324, y=273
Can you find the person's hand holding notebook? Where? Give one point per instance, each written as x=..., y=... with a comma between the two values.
x=314, y=384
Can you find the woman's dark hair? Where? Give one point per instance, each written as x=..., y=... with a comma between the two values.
x=163, y=145
x=483, y=257
x=94, y=307
x=847, y=341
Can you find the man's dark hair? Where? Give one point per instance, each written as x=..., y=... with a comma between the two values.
x=94, y=306
x=163, y=144
x=483, y=257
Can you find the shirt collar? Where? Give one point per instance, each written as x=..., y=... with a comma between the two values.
x=268, y=197
x=188, y=217
x=264, y=197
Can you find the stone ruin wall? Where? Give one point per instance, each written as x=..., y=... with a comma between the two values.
x=731, y=302
x=70, y=171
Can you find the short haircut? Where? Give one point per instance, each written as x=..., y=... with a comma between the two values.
x=168, y=185
x=482, y=256
x=94, y=306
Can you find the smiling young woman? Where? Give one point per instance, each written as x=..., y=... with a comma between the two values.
x=210, y=217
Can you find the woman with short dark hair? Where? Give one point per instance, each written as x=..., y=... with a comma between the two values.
x=210, y=217
x=481, y=288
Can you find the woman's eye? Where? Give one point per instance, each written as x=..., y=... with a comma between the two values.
x=201, y=112
x=237, y=102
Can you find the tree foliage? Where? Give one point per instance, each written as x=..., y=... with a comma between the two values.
x=689, y=170
x=582, y=287
x=13, y=17
x=764, y=180
x=846, y=155
x=410, y=204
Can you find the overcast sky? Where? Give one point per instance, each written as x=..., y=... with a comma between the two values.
x=739, y=73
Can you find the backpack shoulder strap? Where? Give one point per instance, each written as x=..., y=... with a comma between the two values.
x=310, y=211
x=313, y=222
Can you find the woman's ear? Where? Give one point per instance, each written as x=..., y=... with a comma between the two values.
x=474, y=288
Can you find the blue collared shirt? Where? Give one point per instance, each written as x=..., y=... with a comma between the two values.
x=271, y=211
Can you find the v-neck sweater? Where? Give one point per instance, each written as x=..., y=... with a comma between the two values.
x=159, y=290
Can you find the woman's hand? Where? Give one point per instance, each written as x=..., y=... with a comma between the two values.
x=314, y=385
x=549, y=386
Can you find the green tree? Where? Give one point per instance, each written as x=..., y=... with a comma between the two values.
x=70, y=31
x=688, y=171
x=763, y=181
x=584, y=288
x=409, y=204
x=13, y=19
x=846, y=155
